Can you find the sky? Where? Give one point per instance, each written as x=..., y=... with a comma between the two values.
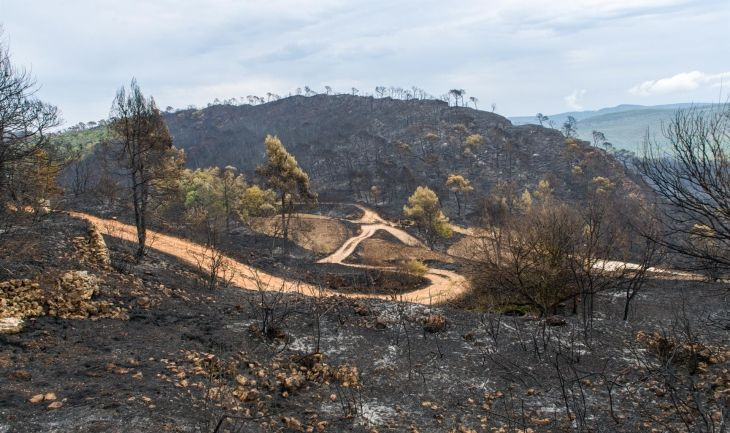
x=524, y=56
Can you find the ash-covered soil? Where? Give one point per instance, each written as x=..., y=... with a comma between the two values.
x=187, y=356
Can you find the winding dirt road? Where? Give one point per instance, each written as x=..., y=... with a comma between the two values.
x=366, y=231
x=445, y=285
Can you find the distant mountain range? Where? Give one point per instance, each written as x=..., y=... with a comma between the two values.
x=624, y=126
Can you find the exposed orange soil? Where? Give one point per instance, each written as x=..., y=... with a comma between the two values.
x=445, y=285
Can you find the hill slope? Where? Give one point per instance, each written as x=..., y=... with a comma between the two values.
x=380, y=150
x=350, y=144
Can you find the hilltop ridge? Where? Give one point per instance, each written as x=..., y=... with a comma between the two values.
x=363, y=148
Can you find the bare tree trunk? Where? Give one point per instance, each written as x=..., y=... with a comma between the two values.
x=626, y=306
x=284, y=225
x=138, y=199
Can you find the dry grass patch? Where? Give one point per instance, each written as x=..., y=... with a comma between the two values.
x=316, y=233
x=464, y=247
x=380, y=252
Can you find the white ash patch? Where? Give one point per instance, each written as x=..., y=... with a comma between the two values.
x=11, y=325
x=390, y=355
x=242, y=326
x=392, y=312
x=375, y=414
x=303, y=345
x=330, y=345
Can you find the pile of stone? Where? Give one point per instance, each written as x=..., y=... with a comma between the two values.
x=241, y=384
x=19, y=299
x=92, y=248
x=71, y=298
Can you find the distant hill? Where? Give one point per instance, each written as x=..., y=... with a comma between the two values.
x=625, y=126
x=81, y=141
x=363, y=148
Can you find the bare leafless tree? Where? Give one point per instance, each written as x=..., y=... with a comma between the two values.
x=142, y=145
x=214, y=268
x=690, y=172
x=24, y=122
x=650, y=254
x=529, y=260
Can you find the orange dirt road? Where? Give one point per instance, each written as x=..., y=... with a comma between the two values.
x=445, y=285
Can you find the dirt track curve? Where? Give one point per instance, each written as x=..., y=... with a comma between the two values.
x=445, y=285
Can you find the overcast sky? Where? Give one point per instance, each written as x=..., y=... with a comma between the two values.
x=523, y=55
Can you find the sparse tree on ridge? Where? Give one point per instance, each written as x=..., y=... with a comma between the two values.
x=599, y=138
x=542, y=118
x=457, y=94
x=284, y=176
x=570, y=127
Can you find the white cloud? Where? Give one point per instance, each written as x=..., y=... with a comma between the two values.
x=517, y=54
x=682, y=82
x=582, y=56
x=573, y=101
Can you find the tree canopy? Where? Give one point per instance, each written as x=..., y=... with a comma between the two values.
x=283, y=175
x=459, y=185
x=424, y=210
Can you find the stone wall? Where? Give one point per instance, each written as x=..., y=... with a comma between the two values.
x=92, y=248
